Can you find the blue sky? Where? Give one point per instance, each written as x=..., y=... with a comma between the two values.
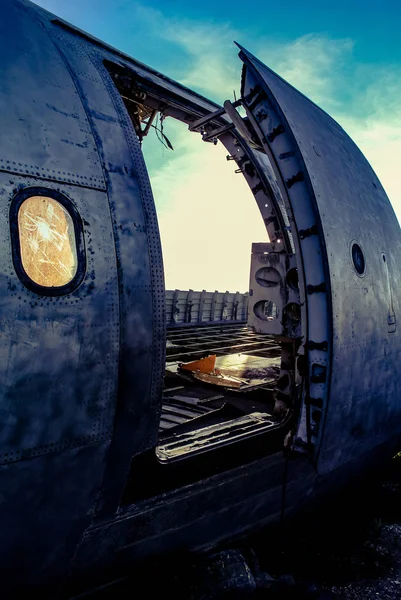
x=344, y=55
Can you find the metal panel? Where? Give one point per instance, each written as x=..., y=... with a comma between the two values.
x=48, y=401
x=59, y=355
x=139, y=261
x=58, y=383
x=45, y=126
x=46, y=504
x=274, y=304
x=62, y=411
x=64, y=358
x=194, y=308
x=353, y=207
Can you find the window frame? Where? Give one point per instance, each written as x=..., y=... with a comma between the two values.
x=29, y=283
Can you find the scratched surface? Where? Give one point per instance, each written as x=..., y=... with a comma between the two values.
x=363, y=407
x=81, y=379
x=58, y=355
x=45, y=125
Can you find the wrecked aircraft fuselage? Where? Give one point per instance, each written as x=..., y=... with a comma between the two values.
x=92, y=478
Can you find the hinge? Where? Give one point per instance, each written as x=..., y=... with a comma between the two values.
x=303, y=233
x=310, y=345
x=313, y=289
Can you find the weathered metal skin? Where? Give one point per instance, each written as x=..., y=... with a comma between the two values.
x=363, y=409
x=81, y=372
x=78, y=367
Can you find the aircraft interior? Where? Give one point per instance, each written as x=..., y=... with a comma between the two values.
x=239, y=409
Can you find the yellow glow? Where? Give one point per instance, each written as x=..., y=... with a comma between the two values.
x=47, y=240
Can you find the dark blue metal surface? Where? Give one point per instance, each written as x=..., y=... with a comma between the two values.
x=86, y=367
x=139, y=262
x=352, y=207
x=81, y=373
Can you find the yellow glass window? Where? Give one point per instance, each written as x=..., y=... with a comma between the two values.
x=47, y=241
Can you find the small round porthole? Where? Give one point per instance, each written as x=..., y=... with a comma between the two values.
x=358, y=258
x=266, y=310
x=47, y=242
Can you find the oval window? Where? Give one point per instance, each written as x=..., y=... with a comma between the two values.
x=358, y=258
x=47, y=239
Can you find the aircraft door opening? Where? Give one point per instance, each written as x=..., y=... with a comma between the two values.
x=203, y=432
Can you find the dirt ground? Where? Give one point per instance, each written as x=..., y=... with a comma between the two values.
x=354, y=554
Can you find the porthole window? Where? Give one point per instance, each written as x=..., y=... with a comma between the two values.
x=47, y=240
x=358, y=258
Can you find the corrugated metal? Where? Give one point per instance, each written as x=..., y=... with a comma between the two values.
x=188, y=307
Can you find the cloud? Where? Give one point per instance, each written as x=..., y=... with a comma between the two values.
x=363, y=98
x=376, y=128
x=202, y=53
x=214, y=68
x=313, y=64
x=208, y=218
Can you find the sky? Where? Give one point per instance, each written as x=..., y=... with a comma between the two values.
x=344, y=55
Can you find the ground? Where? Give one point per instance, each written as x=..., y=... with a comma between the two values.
x=351, y=551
